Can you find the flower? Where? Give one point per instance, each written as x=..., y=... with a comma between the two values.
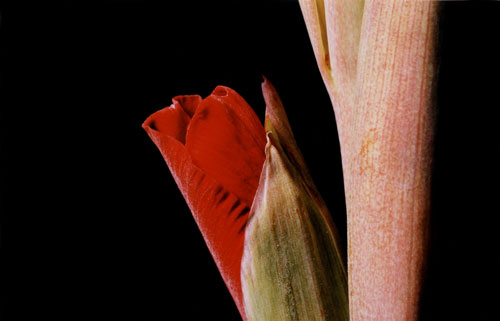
x=263, y=220
x=214, y=148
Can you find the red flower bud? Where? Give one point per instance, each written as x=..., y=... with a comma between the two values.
x=215, y=148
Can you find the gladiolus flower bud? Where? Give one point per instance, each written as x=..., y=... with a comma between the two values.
x=215, y=148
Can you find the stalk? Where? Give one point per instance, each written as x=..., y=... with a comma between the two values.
x=382, y=91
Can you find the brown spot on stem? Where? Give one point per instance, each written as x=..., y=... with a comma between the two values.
x=366, y=152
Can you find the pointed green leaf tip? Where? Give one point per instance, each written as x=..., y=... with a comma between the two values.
x=291, y=268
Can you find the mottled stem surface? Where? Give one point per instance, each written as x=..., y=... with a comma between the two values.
x=382, y=92
x=388, y=162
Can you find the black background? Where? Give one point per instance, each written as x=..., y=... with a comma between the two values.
x=93, y=225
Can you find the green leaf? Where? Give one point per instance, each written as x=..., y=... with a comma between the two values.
x=291, y=268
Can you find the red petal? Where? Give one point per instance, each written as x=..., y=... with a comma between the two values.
x=215, y=151
x=173, y=121
x=227, y=141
